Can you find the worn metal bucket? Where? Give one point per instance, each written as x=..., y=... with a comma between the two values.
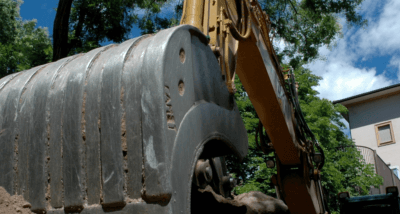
x=119, y=128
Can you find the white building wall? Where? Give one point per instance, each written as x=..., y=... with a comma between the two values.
x=363, y=118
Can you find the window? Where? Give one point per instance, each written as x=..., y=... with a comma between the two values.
x=395, y=170
x=384, y=133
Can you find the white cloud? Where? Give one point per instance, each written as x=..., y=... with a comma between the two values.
x=341, y=77
x=382, y=35
x=342, y=80
x=279, y=45
x=370, y=7
x=167, y=10
x=395, y=62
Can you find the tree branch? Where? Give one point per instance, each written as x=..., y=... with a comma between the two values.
x=60, y=29
x=294, y=8
x=79, y=27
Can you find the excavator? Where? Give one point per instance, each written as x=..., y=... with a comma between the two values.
x=144, y=126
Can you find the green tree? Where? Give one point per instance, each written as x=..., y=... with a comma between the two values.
x=8, y=13
x=304, y=25
x=252, y=172
x=344, y=169
x=307, y=25
x=81, y=25
x=22, y=45
x=154, y=21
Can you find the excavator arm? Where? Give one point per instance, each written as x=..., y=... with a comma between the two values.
x=238, y=33
x=142, y=126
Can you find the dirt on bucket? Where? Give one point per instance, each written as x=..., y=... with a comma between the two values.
x=13, y=204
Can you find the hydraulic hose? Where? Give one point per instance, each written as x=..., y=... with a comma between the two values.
x=235, y=32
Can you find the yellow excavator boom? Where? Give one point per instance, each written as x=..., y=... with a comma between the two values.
x=143, y=126
x=238, y=32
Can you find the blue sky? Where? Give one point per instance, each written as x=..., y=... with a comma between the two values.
x=44, y=12
x=41, y=10
x=365, y=59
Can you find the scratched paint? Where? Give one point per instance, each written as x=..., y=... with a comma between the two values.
x=150, y=154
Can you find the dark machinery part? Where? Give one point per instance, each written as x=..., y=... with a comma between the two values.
x=370, y=204
x=202, y=173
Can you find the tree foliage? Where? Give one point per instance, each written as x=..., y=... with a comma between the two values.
x=9, y=12
x=91, y=22
x=344, y=168
x=22, y=44
x=306, y=25
x=152, y=21
x=252, y=173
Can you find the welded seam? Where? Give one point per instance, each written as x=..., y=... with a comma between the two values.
x=83, y=127
x=83, y=150
x=15, y=177
x=47, y=164
x=134, y=44
x=101, y=164
x=53, y=80
x=16, y=128
x=13, y=128
x=99, y=143
x=47, y=151
x=2, y=85
x=28, y=81
x=24, y=191
x=16, y=137
x=123, y=118
x=123, y=142
x=143, y=191
x=88, y=69
x=62, y=154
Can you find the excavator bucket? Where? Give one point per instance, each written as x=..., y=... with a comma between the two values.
x=117, y=129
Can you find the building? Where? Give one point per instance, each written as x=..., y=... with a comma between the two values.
x=374, y=119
